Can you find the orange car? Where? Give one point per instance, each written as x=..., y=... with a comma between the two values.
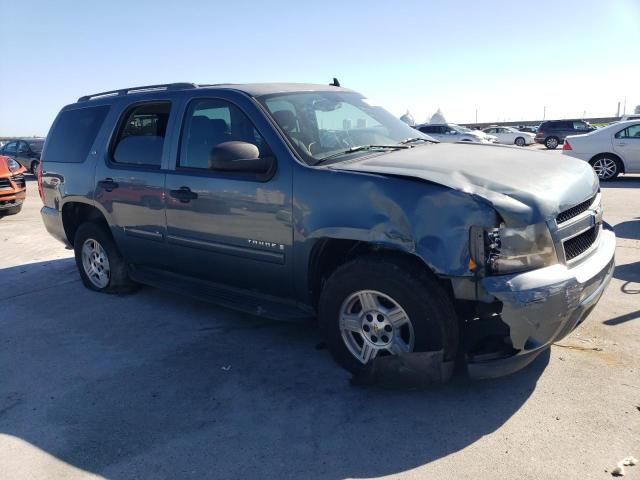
x=13, y=188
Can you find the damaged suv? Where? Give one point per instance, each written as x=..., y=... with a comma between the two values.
x=298, y=201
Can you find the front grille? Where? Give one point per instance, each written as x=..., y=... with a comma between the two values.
x=19, y=180
x=574, y=211
x=579, y=244
x=4, y=183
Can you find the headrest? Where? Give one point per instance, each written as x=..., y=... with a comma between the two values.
x=218, y=125
x=286, y=119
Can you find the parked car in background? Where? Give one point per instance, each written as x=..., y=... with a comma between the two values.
x=483, y=254
x=26, y=152
x=610, y=150
x=553, y=132
x=510, y=136
x=450, y=132
x=13, y=188
x=630, y=117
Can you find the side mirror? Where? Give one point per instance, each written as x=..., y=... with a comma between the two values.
x=239, y=157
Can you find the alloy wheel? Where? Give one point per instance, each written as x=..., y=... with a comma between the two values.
x=372, y=324
x=605, y=168
x=95, y=263
x=551, y=143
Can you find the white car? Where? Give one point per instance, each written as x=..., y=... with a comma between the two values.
x=450, y=132
x=510, y=136
x=610, y=150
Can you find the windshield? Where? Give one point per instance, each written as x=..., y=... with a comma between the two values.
x=461, y=129
x=320, y=125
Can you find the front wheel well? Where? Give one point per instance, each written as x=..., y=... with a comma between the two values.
x=329, y=254
x=75, y=214
x=609, y=154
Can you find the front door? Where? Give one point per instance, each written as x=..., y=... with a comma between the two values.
x=10, y=149
x=627, y=144
x=130, y=182
x=230, y=228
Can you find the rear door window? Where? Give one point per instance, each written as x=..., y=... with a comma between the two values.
x=141, y=134
x=73, y=134
x=630, y=132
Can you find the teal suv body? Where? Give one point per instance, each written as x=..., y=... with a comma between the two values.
x=299, y=201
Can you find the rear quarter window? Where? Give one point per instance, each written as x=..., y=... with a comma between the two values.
x=73, y=133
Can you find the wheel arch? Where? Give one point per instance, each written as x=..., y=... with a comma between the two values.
x=613, y=155
x=328, y=254
x=76, y=213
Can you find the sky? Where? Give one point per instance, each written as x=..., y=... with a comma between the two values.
x=504, y=60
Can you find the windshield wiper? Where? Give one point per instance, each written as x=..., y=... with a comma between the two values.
x=416, y=139
x=360, y=148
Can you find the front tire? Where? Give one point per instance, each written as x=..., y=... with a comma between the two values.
x=34, y=167
x=520, y=142
x=552, y=143
x=377, y=306
x=99, y=262
x=606, y=167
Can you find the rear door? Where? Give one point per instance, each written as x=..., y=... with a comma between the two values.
x=24, y=155
x=504, y=135
x=230, y=228
x=130, y=181
x=626, y=143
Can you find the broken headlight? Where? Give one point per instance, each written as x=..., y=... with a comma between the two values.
x=509, y=250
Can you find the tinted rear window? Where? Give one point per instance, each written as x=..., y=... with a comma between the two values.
x=141, y=135
x=73, y=134
x=36, y=146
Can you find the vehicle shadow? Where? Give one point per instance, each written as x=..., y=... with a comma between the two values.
x=623, y=318
x=624, y=181
x=171, y=388
x=629, y=229
x=629, y=274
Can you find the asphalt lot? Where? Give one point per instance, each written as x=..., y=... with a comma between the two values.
x=159, y=386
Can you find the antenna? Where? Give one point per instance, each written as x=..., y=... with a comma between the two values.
x=335, y=82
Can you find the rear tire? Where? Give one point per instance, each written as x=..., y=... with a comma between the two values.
x=409, y=312
x=520, y=142
x=99, y=262
x=606, y=167
x=11, y=211
x=552, y=143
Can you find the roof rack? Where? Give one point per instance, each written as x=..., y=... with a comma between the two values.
x=146, y=88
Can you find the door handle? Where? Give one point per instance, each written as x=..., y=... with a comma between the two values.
x=621, y=144
x=108, y=184
x=184, y=194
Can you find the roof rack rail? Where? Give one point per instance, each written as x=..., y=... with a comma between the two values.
x=146, y=88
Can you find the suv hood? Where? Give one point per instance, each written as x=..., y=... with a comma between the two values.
x=525, y=187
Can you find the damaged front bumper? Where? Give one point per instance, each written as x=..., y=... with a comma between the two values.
x=542, y=306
